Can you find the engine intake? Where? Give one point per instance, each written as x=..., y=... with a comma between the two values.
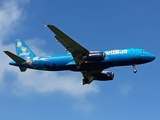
x=95, y=56
x=104, y=76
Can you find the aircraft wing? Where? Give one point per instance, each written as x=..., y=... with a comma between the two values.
x=72, y=46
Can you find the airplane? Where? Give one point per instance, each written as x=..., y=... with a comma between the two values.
x=90, y=63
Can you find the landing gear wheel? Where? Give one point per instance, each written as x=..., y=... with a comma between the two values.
x=135, y=71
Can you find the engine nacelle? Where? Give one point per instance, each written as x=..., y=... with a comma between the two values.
x=104, y=76
x=95, y=56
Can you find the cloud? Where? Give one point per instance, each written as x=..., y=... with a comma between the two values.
x=9, y=17
x=124, y=89
x=47, y=82
x=33, y=81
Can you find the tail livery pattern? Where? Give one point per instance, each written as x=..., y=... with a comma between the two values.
x=23, y=50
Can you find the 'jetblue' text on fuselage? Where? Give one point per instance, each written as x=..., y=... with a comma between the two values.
x=125, y=51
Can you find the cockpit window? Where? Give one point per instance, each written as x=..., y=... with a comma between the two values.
x=143, y=51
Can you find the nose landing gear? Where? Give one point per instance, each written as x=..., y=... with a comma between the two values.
x=134, y=69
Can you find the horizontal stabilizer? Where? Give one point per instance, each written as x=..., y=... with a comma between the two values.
x=15, y=57
x=22, y=69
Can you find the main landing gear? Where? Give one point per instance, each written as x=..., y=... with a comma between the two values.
x=134, y=69
x=78, y=66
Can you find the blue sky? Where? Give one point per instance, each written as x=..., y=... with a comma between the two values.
x=103, y=24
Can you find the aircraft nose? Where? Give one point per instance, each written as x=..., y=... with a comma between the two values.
x=148, y=57
x=152, y=57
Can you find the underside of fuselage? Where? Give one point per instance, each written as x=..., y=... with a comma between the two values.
x=105, y=65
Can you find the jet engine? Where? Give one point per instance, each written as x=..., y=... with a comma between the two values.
x=95, y=56
x=104, y=76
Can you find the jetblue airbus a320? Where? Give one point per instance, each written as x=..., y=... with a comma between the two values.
x=90, y=63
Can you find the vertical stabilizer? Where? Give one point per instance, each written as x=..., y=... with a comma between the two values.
x=23, y=50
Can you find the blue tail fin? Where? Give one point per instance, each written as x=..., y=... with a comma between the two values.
x=23, y=50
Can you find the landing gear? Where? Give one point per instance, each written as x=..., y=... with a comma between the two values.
x=78, y=66
x=134, y=69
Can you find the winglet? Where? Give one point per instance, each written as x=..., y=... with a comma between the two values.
x=15, y=57
x=45, y=24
